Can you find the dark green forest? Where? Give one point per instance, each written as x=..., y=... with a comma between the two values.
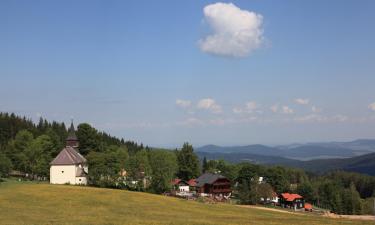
x=28, y=148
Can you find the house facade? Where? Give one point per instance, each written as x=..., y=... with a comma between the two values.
x=214, y=185
x=180, y=185
x=69, y=166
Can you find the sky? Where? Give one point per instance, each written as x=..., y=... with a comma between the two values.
x=207, y=72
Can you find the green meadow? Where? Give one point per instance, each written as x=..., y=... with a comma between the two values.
x=33, y=203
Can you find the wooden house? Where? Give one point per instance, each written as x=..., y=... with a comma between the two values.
x=214, y=185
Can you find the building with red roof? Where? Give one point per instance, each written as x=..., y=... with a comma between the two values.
x=180, y=185
x=293, y=201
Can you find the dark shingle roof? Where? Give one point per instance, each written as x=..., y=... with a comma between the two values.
x=68, y=156
x=207, y=178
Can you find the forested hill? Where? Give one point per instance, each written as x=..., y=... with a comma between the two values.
x=11, y=124
x=29, y=147
x=361, y=164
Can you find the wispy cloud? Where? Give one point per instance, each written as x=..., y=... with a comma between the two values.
x=249, y=107
x=315, y=109
x=287, y=110
x=210, y=105
x=302, y=101
x=235, y=32
x=183, y=103
x=274, y=108
x=321, y=118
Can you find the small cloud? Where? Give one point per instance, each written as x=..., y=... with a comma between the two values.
x=183, y=103
x=310, y=118
x=209, y=104
x=302, y=101
x=321, y=118
x=372, y=106
x=237, y=110
x=275, y=108
x=287, y=110
x=340, y=118
x=249, y=107
x=235, y=32
x=315, y=109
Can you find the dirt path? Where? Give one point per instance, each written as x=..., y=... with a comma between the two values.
x=327, y=214
x=269, y=209
x=352, y=217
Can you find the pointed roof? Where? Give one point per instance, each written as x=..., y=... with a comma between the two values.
x=71, y=133
x=68, y=156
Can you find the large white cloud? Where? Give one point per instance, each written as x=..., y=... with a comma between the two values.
x=209, y=104
x=235, y=32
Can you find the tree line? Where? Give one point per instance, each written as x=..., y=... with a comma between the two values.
x=116, y=163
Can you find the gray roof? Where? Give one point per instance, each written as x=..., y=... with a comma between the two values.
x=68, y=156
x=208, y=178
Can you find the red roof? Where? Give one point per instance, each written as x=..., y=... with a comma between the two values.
x=176, y=181
x=192, y=182
x=308, y=206
x=290, y=197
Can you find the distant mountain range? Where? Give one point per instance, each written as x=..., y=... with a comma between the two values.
x=361, y=164
x=307, y=151
x=356, y=156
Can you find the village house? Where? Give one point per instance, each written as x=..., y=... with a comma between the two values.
x=192, y=185
x=274, y=199
x=180, y=185
x=292, y=201
x=213, y=185
x=69, y=166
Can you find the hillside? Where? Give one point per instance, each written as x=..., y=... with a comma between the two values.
x=238, y=157
x=364, y=164
x=360, y=164
x=30, y=203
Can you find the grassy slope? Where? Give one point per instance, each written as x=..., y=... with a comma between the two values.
x=30, y=203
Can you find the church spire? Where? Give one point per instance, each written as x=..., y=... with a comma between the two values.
x=72, y=139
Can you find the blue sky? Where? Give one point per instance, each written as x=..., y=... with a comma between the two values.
x=165, y=72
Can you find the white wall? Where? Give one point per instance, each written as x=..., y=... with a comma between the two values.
x=62, y=174
x=81, y=180
x=183, y=188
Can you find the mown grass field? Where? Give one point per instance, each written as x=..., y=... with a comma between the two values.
x=31, y=203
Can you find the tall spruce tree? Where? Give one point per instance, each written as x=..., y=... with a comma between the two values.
x=188, y=163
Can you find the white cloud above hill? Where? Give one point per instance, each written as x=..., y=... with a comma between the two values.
x=235, y=32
